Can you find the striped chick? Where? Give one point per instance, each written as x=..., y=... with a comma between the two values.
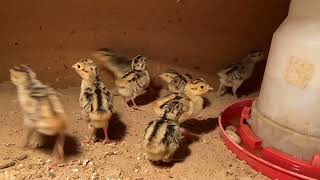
x=43, y=112
x=176, y=81
x=95, y=99
x=235, y=74
x=135, y=82
x=163, y=137
x=191, y=100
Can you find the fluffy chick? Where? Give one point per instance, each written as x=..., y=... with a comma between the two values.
x=41, y=107
x=135, y=82
x=95, y=99
x=176, y=81
x=163, y=137
x=191, y=100
x=235, y=74
x=118, y=65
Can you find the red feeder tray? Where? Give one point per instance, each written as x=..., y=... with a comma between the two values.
x=269, y=161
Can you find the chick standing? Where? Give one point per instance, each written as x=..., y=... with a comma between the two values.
x=135, y=82
x=235, y=74
x=132, y=78
x=41, y=107
x=176, y=81
x=163, y=136
x=191, y=100
x=95, y=99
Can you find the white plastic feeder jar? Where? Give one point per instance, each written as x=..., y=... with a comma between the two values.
x=286, y=114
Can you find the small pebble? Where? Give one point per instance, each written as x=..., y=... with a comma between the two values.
x=94, y=176
x=136, y=170
x=108, y=154
x=93, y=169
x=229, y=172
x=85, y=162
x=75, y=170
x=61, y=165
x=19, y=167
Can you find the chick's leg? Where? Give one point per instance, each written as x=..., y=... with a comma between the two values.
x=234, y=91
x=135, y=106
x=92, y=135
x=26, y=141
x=58, y=150
x=106, y=137
x=221, y=88
x=235, y=87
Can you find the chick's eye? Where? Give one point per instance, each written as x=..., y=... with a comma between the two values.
x=201, y=87
x=78, y=66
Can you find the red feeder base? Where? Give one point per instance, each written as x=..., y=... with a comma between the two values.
x=267, y=160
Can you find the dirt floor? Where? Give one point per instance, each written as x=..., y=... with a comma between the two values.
x=207, y=158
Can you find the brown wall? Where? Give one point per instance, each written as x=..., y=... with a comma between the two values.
x=51, y=35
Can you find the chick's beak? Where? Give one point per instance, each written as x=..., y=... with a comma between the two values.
x=210, y=88
x=74, y=66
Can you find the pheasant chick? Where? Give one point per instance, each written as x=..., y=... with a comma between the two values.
x=163, y=137
x=176, y=81
x=191, y=100
x=43, y=112
x=95, y=99
x=135, y=82
x=235, y=74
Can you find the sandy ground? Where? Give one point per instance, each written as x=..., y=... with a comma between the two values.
x=207, y=158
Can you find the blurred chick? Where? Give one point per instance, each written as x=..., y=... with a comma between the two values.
x=135, y=82
x=95, y=99
x=41, y=107
x=235, y=74
x=176, y=81
x=163, y=137
x=191, y=100
x=118, y=65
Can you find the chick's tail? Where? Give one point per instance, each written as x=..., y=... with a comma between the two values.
x=100, y=119
x=51, y=125
x=116, y=64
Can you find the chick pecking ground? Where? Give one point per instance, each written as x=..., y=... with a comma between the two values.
x=205, y=158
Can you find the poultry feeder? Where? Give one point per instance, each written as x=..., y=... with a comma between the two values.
x=280, y=130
